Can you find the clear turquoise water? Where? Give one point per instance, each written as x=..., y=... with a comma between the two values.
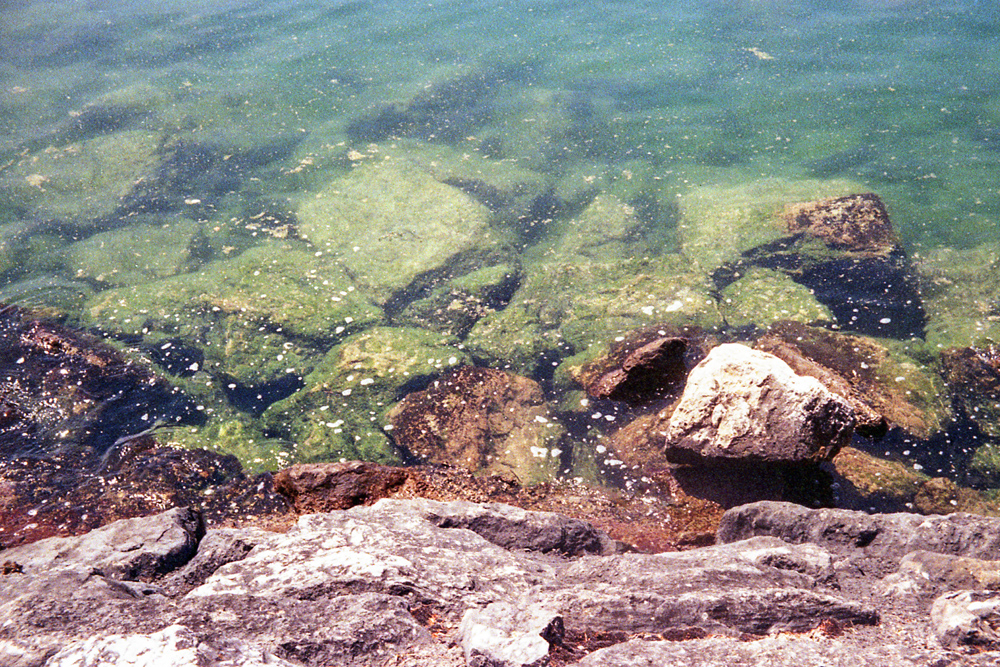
x=899, y=96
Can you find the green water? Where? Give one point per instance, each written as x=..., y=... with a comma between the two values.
x=662, y=111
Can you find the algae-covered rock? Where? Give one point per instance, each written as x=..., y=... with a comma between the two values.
x=340, y=413
x=257, y=317
x=720, y=222
x=484, y=420
x=563, y=307
x=137, y=254
x=961, y=293
x=398, y=230
x=83, y=180
x=453, y=308
x=762, y=296
x=973, y=374
x=607, y=229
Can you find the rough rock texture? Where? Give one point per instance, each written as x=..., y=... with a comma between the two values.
x=882, y=539
x=743, y=404
x=854, y=222
x=638, y=370
x=370, y=584
x=886, y=388
x=480, y=419
x=411, y=582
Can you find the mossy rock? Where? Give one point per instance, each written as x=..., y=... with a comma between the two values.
x=562, y=308
x=607, y=229
x=82, y=180
x=397, y=229
x=340, y=413
x=961, y=294
x=720, y=222
x=762, y=296
x=257, y=317
x=137, y=254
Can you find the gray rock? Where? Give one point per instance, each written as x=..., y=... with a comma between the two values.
x=881, y=537
x=174, y=646
x=514, y=528
x=967, y=618
x=505, y=635
x=131, y=549
x=741, y=403
x=218, y=547
x=780, y=651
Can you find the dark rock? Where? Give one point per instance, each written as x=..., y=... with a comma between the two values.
x=855, y=222
x=743, y=404
x=480, y=419
x=973, y=375
x=637, y=370
x=61, y=386
x=881, y=538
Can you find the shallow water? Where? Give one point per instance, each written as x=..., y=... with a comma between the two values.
x=245, y=111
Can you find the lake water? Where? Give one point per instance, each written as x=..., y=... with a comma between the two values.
x=147, y=147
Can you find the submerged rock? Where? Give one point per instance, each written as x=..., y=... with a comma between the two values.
x=481, y=419
x=742, y=404
x=398, y=230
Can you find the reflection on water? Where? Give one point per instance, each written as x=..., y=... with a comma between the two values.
x=301, y=212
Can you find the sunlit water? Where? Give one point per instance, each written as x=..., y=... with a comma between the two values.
x=643, y=99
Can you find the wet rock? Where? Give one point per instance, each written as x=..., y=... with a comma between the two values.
x=719, y=222
x=886, y=387
x=857, y=222
x=742, y=404
x=973, y=375
x=336, y=486
x=762, y=296
x=844, y=251
x=958, y=287
x=967, y=618
x=398, y=230
x=250, y=335
x=454, y=308
x=136, y=254
x=641, y=369
x=480, y=419
x=881, y=538
x=65, y=391
x=551, y=317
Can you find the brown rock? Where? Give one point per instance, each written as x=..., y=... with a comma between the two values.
x=323, y=487
x=861, y=371
x=857, y=222
x=479, y=419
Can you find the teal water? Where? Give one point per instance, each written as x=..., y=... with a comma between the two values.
x=646, y=101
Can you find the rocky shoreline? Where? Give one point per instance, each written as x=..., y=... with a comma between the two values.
x=419, y=582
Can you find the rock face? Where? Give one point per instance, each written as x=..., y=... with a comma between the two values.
x=743, y=404
x=409, y=582
x=356, y=587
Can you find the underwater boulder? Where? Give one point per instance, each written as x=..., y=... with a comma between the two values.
x=340, y=412
x=484, y=420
